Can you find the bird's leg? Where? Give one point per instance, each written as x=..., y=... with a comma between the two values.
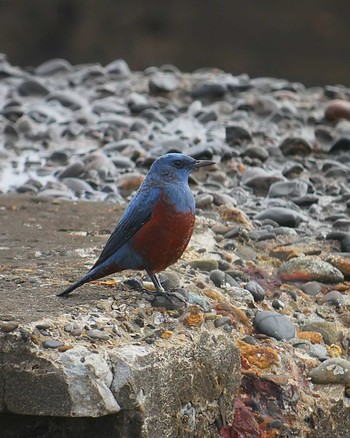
x=156, y=282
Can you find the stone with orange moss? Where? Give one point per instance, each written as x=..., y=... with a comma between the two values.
x=341, y=263
x=235, y=215
x=314, y=337
x=309, y=269
x=261, y=357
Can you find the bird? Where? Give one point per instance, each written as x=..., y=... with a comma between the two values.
x=156, y=226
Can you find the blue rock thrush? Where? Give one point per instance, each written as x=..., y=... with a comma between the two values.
x=157, y=225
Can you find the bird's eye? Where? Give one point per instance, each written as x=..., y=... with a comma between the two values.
x=178, y=163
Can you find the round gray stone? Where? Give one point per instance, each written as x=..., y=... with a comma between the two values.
x=275, y=325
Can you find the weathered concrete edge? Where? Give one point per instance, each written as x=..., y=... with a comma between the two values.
x=182, y=386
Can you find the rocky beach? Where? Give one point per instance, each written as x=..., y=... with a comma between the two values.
x=253, y=337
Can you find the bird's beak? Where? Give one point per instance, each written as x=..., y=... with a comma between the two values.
x=201, y=163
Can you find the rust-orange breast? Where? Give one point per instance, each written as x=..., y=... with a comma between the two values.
x=164, y=238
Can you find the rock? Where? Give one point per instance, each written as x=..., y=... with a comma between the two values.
x=318, y=351
x=334, y=297
x=288, y=189
x=8, y=326
x=337, y=109
x=163, y=82
x=329, y=333
x=274, y=324
x=335, y=371
x=199, y=301
x=98, y=334
x=283, y=216
x=295, y=146
x=237, y=135
x=31, y=87
x=52, y=343
x=256, y=290
x=53, y=67
x=342, y=237
x=309, y=269
x=169, y=280
x=260, y=179
x=204, y=264
x=210, y=90
x=119, y=68
x=221, y=279
x=341, y=263
x=204, y=200
x=311, y=288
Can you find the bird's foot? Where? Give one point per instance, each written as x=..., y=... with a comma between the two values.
x=170, y=300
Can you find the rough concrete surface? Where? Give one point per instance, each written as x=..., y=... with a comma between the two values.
x=183, y=384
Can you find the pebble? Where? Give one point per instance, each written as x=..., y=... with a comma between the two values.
x=200, y=301
x=210, y=90
x=337, y=109
x=204, y=200
x=282, y=216
x=206, y=265
x=309, y=269
x=328, y=331
x=8, y=326
x=54, y=66
x=274, y=324
x=221, y=279
x=52, y=343
x=295, y=146
x=342, y=237
x=256, y=290
x=289, y=189
x=333, y=297
x=311, y=288
x=119, y=67
x=97, y=334
x=163, y=82
x=32, y=87
x=319, y=351
x=169, y=280
x=334, y=371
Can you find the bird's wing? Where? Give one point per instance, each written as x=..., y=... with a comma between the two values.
x=135, y=216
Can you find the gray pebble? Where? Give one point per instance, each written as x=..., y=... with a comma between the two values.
x=169, y=280
x=256, y=290
x=295, y=146
x=333, y=297
x=274, y=324
x=311, y=288
x=160, y=82
x=204, y=200
x=97, y=334
x=52, y=343
x=53, y=66
x=319, y=351
x=201, y=301
x=283, y=216
x=204, y=264
x=219, y=322
x=31, y=87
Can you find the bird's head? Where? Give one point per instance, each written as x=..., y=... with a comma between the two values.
x=175, y=167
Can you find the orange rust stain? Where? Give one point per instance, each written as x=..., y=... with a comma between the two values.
x=314, y=337
x=261, y=357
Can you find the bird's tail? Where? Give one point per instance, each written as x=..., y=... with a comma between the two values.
x=95, y=273
x=88, y=277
